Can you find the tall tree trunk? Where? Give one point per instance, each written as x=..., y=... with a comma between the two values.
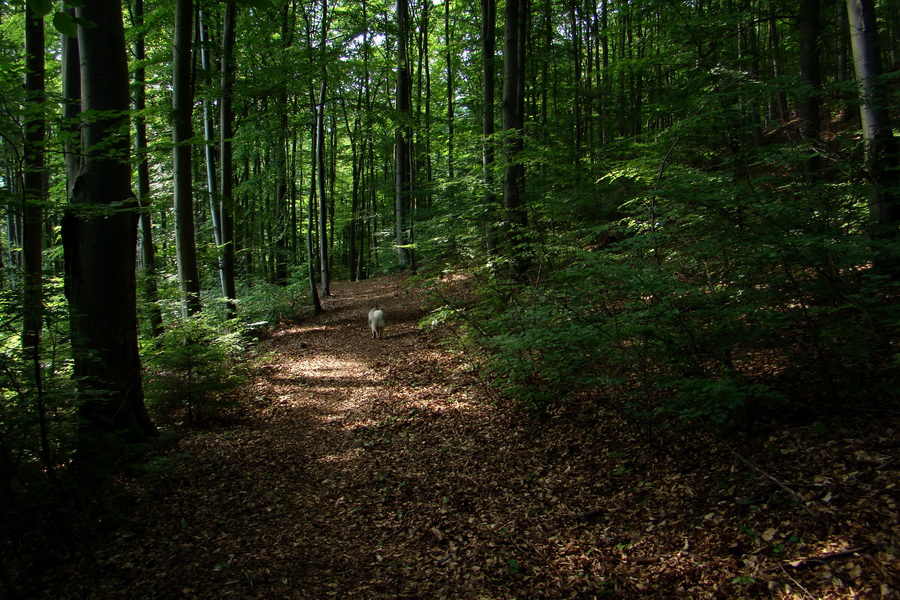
x=70, y=79
x=226, y=162
x=603, y=84
x=513, y=124
x=488, y=59
x=779, y=108
x=185, y=244
x=324, y=262
x=313, y=184
x=33, y=192
x=451, y=90
x=33, y=214
x=811, y=80
x=356, y=170
x=209, y=129
x=403, y=137
x=99, y=239
x=209, y=132
x=881, y=146
x=148, y=250
x=323, y=201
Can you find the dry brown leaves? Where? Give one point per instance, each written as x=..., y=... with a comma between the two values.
x=369, y=469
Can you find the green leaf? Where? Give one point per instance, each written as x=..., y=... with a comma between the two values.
x=257, y=4
x=41, y=8
x=514, y=567
x=65, y=24
x=86, y=23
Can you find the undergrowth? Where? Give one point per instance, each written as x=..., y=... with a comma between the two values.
x=708, y=301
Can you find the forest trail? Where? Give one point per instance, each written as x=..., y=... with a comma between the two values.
x=366, y=469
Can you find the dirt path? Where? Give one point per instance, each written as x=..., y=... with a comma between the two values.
x=358, y=475
x=378, y=469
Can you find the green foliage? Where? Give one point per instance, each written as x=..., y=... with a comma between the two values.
x=191, y=368
x=709, y=301
x=274, y=303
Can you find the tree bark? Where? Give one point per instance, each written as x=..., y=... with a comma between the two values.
x=323, y=202
x=451, y=89
x=488, y=59
x=881, y=146
x=148, y=249
x=210, y=150
x=403, y=137
x=810, y=26
x=313, y=185
x=34, y=189
x=70, y=79
x=513, y=125
x=324, y=262
x=226, y=162
x=182, y=131
x=99, y=239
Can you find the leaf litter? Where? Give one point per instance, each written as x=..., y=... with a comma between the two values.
x=384, y=469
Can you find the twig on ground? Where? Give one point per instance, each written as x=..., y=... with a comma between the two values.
x=781, y=485
x=824, y=558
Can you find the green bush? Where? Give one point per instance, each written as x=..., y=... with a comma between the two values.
x=191, y=368
x=715, y=300
x=270, y=302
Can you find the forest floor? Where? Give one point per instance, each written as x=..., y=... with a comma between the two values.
x=379, y=469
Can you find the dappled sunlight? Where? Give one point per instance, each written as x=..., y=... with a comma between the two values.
x=385, y=469
x=343, y=457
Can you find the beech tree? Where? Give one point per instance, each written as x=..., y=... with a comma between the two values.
x=34, y=186
x=403, y=138
x=881, y=145
x=515, y=41
x=99, y=235
x=182, y=132
x=226, y=160
x=148, y=246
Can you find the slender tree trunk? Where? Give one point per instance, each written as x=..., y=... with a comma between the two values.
x=403, y=137
x=310, y=245
x=323, y=202
x=70, y=79
x=185, y=244
x=811, y=80
x=33, y=215
x=752, y=50
x=226, y=161
x=34, y=189
x=209, y=133
x=210, y=149
x=99, y=239
x=578, y=127
x=148, y=249
x=603, y=83
x=451, y=89
x=779, y=105
x=356, y=169
x=488, y=59
x=881, y=146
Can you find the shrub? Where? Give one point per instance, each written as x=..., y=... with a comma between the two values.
x=715, y=300
x=190, y=369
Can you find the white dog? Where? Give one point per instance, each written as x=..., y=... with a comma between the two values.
x=376, y=322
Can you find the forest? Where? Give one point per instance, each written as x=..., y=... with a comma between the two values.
x=638, y=261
